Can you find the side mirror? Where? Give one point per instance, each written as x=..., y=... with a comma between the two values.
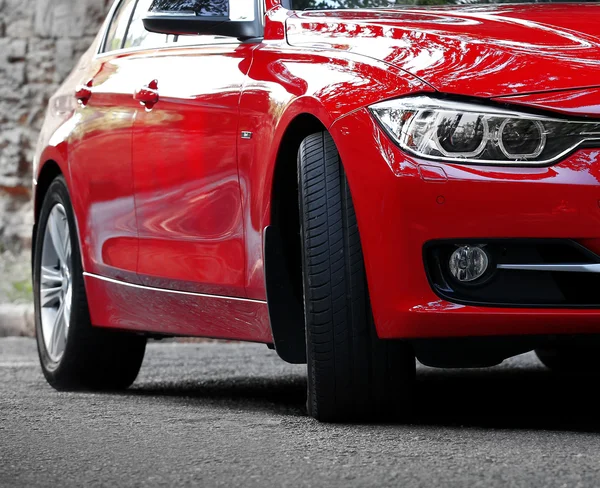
x=232, y=18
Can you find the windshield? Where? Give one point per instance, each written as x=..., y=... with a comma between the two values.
x=349, y=4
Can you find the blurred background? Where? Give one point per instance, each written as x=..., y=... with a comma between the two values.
x=40, y=41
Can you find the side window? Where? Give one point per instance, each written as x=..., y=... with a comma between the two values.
x=219, y=8
x=118, y=26
x=137, y=35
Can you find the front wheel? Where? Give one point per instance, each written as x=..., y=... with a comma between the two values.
x=352, y=374
x=73, y=354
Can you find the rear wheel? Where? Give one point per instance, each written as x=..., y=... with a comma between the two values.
x=352, y=374
x=73, y=354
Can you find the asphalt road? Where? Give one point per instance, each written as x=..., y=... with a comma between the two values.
x=233, y=415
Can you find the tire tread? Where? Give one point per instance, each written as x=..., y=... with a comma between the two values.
x=352, y=373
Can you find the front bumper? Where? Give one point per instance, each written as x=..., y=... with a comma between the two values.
x=403, y=203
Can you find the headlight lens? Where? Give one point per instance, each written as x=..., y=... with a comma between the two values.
x=478, y=134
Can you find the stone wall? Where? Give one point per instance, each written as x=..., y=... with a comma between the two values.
x=40, y=40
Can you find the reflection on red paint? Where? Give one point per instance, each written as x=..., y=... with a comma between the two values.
x=175, y=199
x=398, y=213
x=481, y=50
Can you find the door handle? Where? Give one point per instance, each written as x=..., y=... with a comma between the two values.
x=148, y=95
x=83, y=93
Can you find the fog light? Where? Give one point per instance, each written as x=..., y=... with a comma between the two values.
x=468, y=263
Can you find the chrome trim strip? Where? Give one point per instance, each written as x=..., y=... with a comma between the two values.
x=573, y=268
x=176, y=292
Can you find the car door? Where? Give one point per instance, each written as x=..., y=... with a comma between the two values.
x=187, y=190
x=100, y=154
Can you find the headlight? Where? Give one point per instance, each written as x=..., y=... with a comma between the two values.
x=478, y=134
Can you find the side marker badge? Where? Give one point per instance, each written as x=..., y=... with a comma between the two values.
x=246, y=134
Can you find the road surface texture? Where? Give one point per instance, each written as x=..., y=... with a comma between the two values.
x=233, y=415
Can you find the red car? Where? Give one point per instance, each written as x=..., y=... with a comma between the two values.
x=353, y=187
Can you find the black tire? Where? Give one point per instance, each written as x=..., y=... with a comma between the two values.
x=570, y=359
x=352, y=374
x=93, y=358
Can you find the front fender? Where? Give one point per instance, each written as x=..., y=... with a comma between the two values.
x=283, y=84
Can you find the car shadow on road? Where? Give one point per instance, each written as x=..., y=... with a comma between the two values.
x=519, y=398
x=505, y=398
x=280, y=395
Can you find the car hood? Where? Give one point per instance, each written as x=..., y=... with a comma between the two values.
x=485, y=51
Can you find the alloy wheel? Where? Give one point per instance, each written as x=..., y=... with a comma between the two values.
x=56, y=285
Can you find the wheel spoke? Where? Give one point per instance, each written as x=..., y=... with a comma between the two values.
x=67, y=248
x=49, y=296
x=51, y=277
x=67, y=307
x=57, y=234
x=58, y=331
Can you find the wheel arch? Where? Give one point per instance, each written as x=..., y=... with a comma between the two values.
x=47, y=173
x=281, y=240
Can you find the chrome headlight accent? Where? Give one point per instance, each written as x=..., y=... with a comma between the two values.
x=470, y=133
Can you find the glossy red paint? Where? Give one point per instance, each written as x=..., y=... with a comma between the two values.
x=285, y=83
x=169, y=197
x=141, y=308
x=478, y=202
x=187, y=191
x=481, y=51
x=583, y=102
x=100, y=167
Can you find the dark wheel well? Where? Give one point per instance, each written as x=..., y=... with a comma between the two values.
x=49, y=172
x=283, y=257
